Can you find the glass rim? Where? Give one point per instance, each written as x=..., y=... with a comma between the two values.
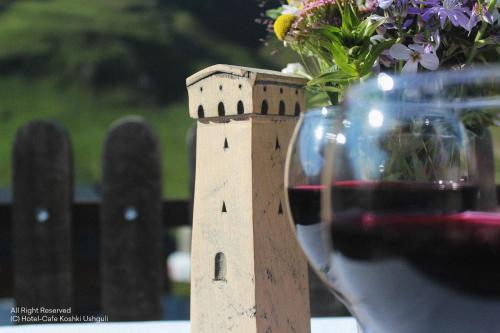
x=321, y=111
x=384, y=84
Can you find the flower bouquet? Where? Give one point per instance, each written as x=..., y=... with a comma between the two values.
x=344, y=42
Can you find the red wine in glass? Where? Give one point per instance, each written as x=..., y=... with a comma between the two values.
x=394, y=244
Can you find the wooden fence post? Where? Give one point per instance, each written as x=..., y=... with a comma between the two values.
x=248, y=274
x=132, y=265
x=42, y=199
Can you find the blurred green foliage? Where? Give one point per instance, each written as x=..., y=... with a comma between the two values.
x=148, y=46
x=86, y=63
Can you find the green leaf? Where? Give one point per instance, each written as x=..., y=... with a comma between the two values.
x=369, y=26
x=341, y=57
x=274, y=13
x=330, y=29
x=418, y=168
x=490, y=40
x=332, y=89
x=332, y=77
x=318, y=98
x=320, y=51
x=349, y=16
x=373, y=55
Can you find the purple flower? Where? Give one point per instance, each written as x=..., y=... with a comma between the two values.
x=480, y=13
x=407, y=23
x=386, y=59
x=414, y=54
x=452, y=10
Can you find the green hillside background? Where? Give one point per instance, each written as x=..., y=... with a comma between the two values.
x=86, y=63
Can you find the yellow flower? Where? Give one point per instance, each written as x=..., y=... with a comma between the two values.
x=283, y=24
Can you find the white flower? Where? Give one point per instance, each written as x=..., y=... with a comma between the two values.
x=292, y=10
x=495, y=14
x=384, y=4
x=414, y=54
x=375, y=39
x=296, y=69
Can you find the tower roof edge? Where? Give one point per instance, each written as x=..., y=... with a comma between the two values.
x=248, y=72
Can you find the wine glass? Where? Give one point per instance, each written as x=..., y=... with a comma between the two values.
x=305, y=163
x=404, y=236
x=303, y=178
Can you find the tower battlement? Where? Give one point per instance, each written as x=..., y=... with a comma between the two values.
x=224, y=90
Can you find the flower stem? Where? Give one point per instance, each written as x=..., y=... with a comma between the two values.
x=480, y=34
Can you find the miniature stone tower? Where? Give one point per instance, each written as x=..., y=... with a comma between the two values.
x=248, y=274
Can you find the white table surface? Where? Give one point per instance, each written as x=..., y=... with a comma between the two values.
x=318, y=325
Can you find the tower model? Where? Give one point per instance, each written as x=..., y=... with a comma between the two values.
x=248, y=273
